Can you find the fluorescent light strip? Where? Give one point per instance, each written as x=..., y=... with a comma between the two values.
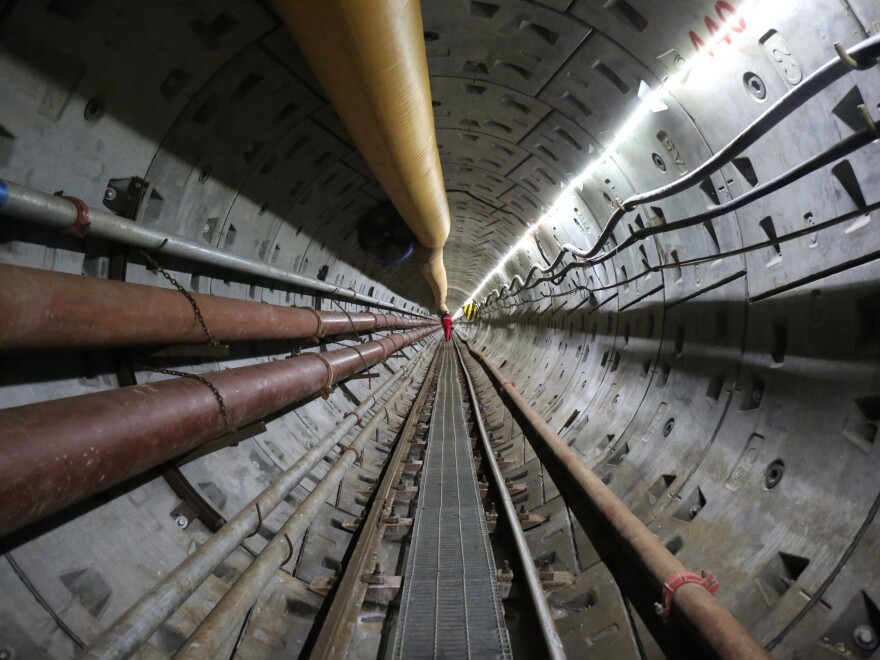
x=651, y=100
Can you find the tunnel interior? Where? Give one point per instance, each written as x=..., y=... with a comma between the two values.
x=720, y=377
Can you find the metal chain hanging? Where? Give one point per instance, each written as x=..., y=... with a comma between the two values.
x=204, y=381
x=344, y=311
x=198, y=312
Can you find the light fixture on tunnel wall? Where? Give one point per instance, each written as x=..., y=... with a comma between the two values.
x=384, y=237
x=651, y=101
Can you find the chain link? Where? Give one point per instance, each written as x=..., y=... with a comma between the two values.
x=343, y=310
x=203, y=381
x=198, y=312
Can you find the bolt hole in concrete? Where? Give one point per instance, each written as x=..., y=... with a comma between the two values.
x=658, y=162
x=93, y=110
x=667, y=428
x=773, y=474
x=865, y=637
x=755, y=86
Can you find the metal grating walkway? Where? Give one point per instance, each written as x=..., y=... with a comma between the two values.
x=450, y=606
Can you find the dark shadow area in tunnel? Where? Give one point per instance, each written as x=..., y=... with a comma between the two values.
x=179, y=99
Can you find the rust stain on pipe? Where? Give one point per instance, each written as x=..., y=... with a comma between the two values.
x=55, y=453
x=716, y=629
x=46, y=309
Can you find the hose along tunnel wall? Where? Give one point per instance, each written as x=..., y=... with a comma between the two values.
x=721, y=378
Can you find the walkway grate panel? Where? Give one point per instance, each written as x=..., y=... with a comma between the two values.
x=450, y=606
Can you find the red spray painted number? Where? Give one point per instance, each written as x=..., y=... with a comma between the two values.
x=726, y=12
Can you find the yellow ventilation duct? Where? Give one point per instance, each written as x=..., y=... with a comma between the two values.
x=369, y=57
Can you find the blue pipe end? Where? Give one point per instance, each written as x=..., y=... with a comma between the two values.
x=4, y=193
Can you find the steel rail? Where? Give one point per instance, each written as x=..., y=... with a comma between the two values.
x=63, y=213
x=552, y=642
x=141, y=620
x=225, y=617
x=707, y=623
x=340, y=621
x=58, y=452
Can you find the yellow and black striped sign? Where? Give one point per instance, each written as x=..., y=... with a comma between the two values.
x=470, y=311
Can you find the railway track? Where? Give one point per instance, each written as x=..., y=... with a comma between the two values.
x=423, y=561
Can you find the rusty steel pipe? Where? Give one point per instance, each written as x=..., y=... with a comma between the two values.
x=713, y=626
x=55, y=453
x=130, y=631
x=227, y=615
x=46, y=309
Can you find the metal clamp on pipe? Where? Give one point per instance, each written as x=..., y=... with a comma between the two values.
x=80, y=226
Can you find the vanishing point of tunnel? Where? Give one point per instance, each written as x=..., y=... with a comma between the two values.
x=443, y=329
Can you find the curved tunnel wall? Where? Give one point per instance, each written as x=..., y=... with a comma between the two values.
x=683, y=388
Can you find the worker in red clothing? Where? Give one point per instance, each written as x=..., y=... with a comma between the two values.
x=446, y=320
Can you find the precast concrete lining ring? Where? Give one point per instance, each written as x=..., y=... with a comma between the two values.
x=678, y=369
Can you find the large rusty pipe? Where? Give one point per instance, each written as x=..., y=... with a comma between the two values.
x=207, y=640
x=713, y=626
x=130, y=631
x=55, y=453
x=370, y=60
x=46, y=309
